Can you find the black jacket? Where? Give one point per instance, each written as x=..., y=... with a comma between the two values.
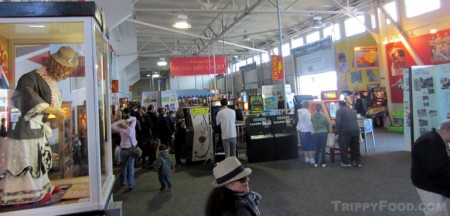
x=163, y=128
x=430, y=167
x=246, y=204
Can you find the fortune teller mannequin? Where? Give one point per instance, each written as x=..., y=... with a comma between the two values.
x=25, y=155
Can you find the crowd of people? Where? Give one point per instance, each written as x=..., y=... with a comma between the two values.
x=150, y=129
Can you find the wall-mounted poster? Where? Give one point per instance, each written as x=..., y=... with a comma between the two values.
x=4, y=71
x=342, y=59
x=356, y=77
x=366, y=57
x=371, y=76
x=398, y=60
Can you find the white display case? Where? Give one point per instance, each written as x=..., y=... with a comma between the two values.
x=29, y=33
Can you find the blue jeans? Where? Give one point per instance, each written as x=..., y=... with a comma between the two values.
x=320, y=141
x=165, y=179
x=229, y=145
x=127, y=165
x=306, y=141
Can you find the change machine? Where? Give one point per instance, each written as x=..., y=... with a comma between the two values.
x=260, y=142
x=28, y=40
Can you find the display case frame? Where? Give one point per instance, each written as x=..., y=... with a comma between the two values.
x=100, y=178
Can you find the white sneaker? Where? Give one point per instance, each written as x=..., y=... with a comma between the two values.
x=316, y=165
x=312, y=161
x=324, y=165
x=307, y=160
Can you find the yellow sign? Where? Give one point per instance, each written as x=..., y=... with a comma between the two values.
x=199, y=111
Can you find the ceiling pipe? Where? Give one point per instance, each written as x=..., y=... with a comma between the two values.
x=189, y=34
x=231, y=26
x=297, y=12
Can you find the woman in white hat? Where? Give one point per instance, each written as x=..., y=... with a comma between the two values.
x=231, y=194
x=24, y=168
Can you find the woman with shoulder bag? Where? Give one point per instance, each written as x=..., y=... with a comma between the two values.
x=126, y=129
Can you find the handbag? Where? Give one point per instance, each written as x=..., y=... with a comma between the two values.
x=331, y=138
x=136, y=151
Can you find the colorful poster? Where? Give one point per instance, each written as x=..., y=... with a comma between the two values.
x=169, y=98
x=432, y=49
x=366, y=57
x=277, y=67
x=398, y=60
x=204, y=65
x=256, y=103
x=114, y=86
x=4, y=69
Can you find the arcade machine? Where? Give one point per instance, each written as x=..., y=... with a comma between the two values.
x=256, y=104
x=218, y=149
x=198, y=134
x=330, y=103
x=377, y=102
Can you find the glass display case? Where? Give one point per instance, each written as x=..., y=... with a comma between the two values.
x=72, y=168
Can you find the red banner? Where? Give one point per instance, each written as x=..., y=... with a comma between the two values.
x=198, y=66
x=277, y=67
x=115, y=86
x=130, y=88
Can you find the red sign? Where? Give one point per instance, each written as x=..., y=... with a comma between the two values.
x=277, y=67
x=115, y=86
x=130, y=88
x=198, y=66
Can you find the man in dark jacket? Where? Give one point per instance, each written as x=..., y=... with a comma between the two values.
x=145, y=134
x=430, y=169
x=348, y=133
x=154, y=140
x=164, y=132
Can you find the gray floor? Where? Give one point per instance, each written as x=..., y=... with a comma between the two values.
x=291, y=187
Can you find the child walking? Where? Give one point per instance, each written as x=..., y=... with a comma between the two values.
x=164, y=166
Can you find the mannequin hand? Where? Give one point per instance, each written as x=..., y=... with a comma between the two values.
x=60, y=114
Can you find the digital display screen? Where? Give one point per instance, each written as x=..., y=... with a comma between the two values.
x=332, y=108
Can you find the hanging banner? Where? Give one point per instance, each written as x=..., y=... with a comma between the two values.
x=130, y=88
x=277, y=67
x=115, y=86
x=198, y=66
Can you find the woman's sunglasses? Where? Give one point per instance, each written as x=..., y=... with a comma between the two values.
x=243, y=179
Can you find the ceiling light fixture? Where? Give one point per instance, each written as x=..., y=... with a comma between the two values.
x=182, y=22
x=155, y=74
x=317, y=22
x=162, y=62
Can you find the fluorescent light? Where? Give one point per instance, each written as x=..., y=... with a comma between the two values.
x=317, y=22
x=155, y=75
x=182, y=22
x=149, y=75
x=433, y=31
x=36, y=26
x=162, y=62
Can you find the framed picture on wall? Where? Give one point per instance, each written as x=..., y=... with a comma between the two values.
x=366, y=57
